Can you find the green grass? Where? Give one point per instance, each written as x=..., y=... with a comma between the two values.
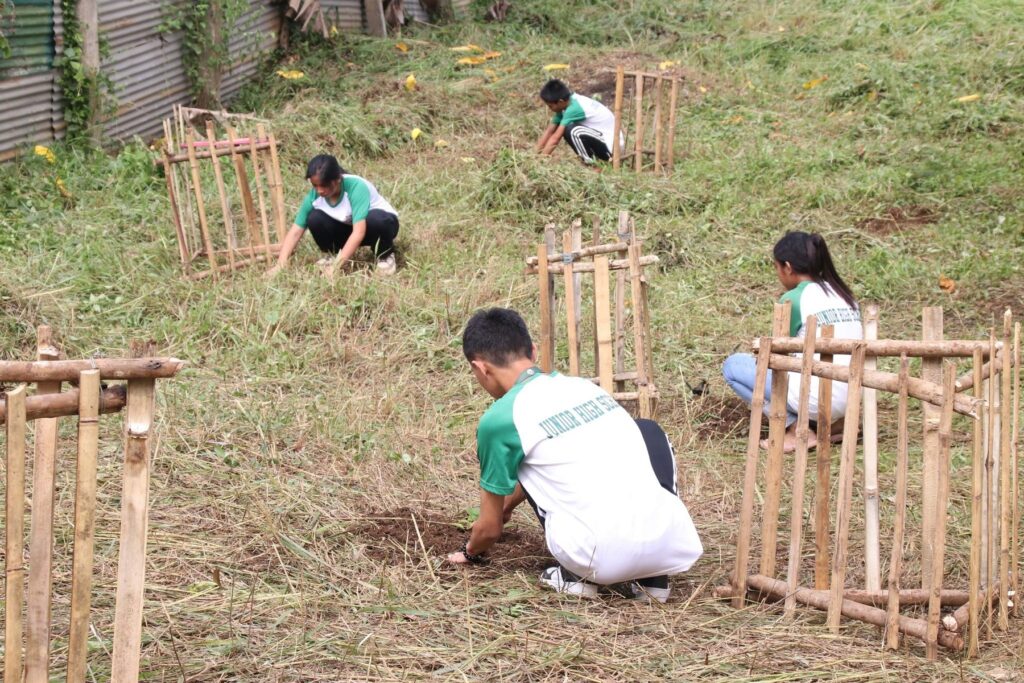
x=309, y=406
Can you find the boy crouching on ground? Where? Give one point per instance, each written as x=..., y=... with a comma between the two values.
x=602, y=484
x=585, y=124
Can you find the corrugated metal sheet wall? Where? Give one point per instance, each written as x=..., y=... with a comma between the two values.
x=255, y=35
x=348, y=15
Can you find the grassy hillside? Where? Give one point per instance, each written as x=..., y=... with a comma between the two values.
x=315, y=460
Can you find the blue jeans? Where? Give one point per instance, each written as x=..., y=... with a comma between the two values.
x=739, y=371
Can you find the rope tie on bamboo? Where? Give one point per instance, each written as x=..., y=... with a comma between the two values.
x=568, y=258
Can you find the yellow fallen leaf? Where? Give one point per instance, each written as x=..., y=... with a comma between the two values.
x=415, y=133
x=491, y=54
x=782, y=29
x=736, y=119
x=62, y=188
x=467, y=48
x=45, y=152
x=969, y=98
x=702, y=88
x=334, y=30
x=468, y=160
x=946, y=284
x=814, y=83
x=861, y=66
x=439, y=143
x=290, y=74
x=555, y=67
x=666, y=65
x=410, y=82
x=469, y=61
x=401, y=47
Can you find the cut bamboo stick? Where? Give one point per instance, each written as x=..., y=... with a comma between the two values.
x=595, y=240
x=1005, y=524
x=14, y=530
x=620, y=327
x=822, y=485
x=931, y=371
x=547, y=342
x=585, y=267
x=648, y=359
x=40, y=578
x=739, y=576
x=892, y=638
x=800, y=464
x=203, y=149
x=851, y=425
x=85, y=516
x=110, y=368
x=934, y=348
x=990, y=503
x=276, y=183
x=966, y=381
x=872, y=552
x=131, y=564
x=226, y=267
x=638, y=130
x=179, y=230
x=256, y=173
x=616, y=248
x=603, y=323
x=1015, y=470
x=570, y=306
x=112, y=399
x=225, y=207
x=576, y=230
x=617, y=136
x=773, y=464
x=658, y=88
x=640, y=342
x=242, y=178
x=942, y=495
x=197, y=189
x=977, y=494
x=670, y=142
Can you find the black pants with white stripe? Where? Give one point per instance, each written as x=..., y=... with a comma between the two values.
x=330, y=234
x=587, y=142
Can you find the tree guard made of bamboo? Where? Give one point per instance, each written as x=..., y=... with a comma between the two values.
x=230, y=157
x=992, y=551
x=33, y=589
x=648, y=117
x=613, y=349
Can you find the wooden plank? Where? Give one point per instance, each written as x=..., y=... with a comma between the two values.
x=547, y=342
x=131, y=563
x=773, y=465
x=851, y=425
x=573, y=339
x=823, y=461
x=872, y=551
x=197, y=189
x=225, y=207
x=671, y=138
x=942, y=491
x=977, y=495
x=617, y=135
x=14, y=531
x=85, y=523
x=638, y=131
x=40, y=578
x=603, y=323
x=892, y=634
x=931, y=371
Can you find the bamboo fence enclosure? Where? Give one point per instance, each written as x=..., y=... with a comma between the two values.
x=612, y=278
x=648, y=118
x=988, y=393
x=29, y=596
x=225, y=190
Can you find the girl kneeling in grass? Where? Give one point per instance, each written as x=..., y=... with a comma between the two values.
x=804, y=267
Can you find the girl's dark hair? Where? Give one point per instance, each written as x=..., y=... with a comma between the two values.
x=325, y=167
x=807, y=254
x=555, y=91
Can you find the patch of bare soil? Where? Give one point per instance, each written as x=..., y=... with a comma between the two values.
x=897, y=219
x=722, y=417
x=392, y=536
x=600, y=79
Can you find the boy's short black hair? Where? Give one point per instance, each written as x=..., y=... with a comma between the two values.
x=498, y=336
x=555, y=91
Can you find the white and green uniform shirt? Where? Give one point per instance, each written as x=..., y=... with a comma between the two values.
x=583, y=460
x=358, y=197
x=810, y=298
x=590, y=113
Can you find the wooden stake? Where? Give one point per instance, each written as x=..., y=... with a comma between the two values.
x=603, y=323
x=576, y=230
x=14, y=529
x=131, y=563
x=671, y=138
x=639, y=331
x=85, y=515
x=242, y=178
x=1015, y=469
x=773, y=465
x=620, y=327
x=259, y=195
x=892, y=637
x=547, y=342
x=172, y=196
x=617, y=136
x=739, y=575
x=977, y=495
x=67, y=370
x=225, y=208
x=276, y=183
x=191, y=234
x=872, y=562
x=851, y=425
x=942, y=491
x=1005, y=489
x=638, y=132
x=822, y=485
x=197, y=188
x=40, y=578
x=800, y=464
x=570, y=305
x=992, y=492
x=931, y=371
x=658, y=86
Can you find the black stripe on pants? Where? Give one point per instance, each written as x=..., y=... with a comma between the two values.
x=587, y=142
x=331, y=234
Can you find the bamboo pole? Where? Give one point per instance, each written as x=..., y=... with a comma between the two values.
x=852, y=610
x=595, y=240
x=886, y=381
x=977, y=494
x=638, y=132
x=640, y=341
x=1015, y=470
x=547, y=342
x=800, y=464
x=603, y=324
x=620, y=327
x=257, y=181
x=550, y=241
x=225, y=208
x=131, y=563
x=616, y=144
x=584, y=252
x=175, y=171
x=658, y=88
x=175, y=215
x=822, y=485
x=587, y=267
x=739, y=576
x=274, y=178
x=14, y=530
x=242, y=178
x=226, y=267
x=648, y=360
x=576, y=230
x=990, y=489
x=671, y=138
x=197, y=189
x=925, y=348
x=1005, y=489
x=112, y=399
x=570, y=306
x=40, y=578
x=85, y=516
x=931, y=371
x=872, y=552
x=942, y=495
x=892, y=638
x=774, y=461
x=851, y=425
x=110, y=368
x=966, y=381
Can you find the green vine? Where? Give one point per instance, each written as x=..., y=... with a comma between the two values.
x=6, y=23
x=75, y=85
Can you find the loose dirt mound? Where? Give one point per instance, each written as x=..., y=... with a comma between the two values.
x=722, y=418
x=391, y=536
x=899, y=218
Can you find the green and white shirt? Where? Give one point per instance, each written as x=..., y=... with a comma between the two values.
x=584, y=462
x=810, y=298
x=590, y=113
x=358, y=196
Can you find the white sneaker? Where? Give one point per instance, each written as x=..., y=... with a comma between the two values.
x=650, y=590
x=387, y=265
x=552, y=577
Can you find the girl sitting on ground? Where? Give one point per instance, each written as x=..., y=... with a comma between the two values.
x=813, y=287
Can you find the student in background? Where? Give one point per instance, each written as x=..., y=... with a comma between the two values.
x=585, y=124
